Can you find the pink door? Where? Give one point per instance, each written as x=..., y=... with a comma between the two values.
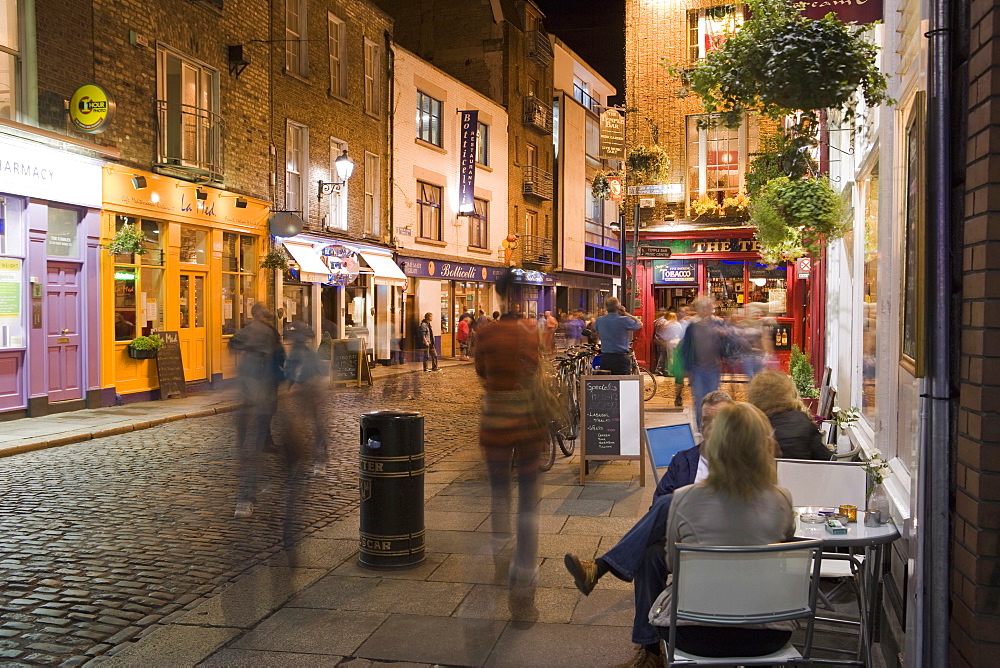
x=63, y=336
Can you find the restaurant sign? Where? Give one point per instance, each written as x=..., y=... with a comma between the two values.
x=675, y=271
x=856, y=11
x=454, y=271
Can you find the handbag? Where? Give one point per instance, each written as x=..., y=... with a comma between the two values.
x=548, y=403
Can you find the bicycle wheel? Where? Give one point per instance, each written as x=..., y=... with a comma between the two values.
x=648, y=384
x=548, y=455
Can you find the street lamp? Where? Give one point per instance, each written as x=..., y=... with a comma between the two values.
x=345, y=167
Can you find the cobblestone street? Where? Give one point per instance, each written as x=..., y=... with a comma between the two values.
x=103, y=540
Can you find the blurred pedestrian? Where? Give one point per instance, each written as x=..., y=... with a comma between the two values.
x=758, y=343
x=551, y=324
x=308, y=390
x=260, y=370
x=574, y=328
x=463, y=334
x=666, y=334
x=615, y=329
x=427, y=343
x=507, y=360
x=701, y=349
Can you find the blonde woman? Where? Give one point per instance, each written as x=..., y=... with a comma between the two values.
x=774, y=393
x=737, y=504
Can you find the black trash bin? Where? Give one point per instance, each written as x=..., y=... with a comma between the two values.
x=391, y=481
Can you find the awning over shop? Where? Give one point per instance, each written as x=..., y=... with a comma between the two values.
x=386, y=270
x=312, y=269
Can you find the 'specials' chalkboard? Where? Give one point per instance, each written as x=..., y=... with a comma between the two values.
x=169, y=366
x=345, y=366
x=612, y=418
x=602, y=421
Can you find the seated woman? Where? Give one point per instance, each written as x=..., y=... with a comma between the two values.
x=797, y=435
x=737, y=504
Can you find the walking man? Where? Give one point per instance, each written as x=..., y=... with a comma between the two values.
x=427, y=338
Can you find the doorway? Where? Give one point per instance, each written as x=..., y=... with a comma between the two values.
x=63, y=333
x=192, y=330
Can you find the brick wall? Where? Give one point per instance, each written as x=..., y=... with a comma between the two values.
x=308, y=101
x=975, y=586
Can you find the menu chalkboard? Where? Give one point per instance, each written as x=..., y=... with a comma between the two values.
x=349, y=363
x=611, y=413
x=169, y=366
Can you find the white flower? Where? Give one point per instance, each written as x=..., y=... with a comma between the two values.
x=876, y=454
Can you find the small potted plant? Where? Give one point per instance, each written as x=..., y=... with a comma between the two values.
x=876, y=497
x=144, y=347
x=803, y=376
x=704, y=206
x=128, y=240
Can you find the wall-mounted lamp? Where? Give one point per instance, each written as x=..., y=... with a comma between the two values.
x=200, y=194
x=139, y=182
x=237, y=60
x=241, y=202
x=344, y=167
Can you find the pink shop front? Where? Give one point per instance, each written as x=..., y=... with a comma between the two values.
x=49, y=223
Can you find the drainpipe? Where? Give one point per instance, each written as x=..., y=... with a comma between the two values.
x=934, y=536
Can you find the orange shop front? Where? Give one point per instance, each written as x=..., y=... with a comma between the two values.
x=199, y=275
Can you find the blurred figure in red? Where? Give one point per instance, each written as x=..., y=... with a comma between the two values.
x=507, y=357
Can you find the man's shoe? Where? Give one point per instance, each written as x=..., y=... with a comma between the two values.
x=243, y=509
x=644, y=659
x=678, y=400
x=584, y=572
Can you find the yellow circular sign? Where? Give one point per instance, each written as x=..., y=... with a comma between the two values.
x=91, y=108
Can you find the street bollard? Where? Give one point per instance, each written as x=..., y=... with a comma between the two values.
x=391, y=483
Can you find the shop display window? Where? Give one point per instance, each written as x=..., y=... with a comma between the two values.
x=725, y=284
x=139, y=283
x=239, y=264
x=11, y=230
x=62, y=238
x=194, y=246
x=869, y=300
x=296, y=304
x=769, y=286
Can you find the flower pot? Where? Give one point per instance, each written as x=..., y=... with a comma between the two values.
x=141, y=354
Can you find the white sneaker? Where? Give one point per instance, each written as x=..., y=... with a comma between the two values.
x=243, y=509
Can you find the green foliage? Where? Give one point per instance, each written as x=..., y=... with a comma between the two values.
x=647, y=164
x=796, y=218
x=275, y=259
x=780, y=155
x=802, y=374
x=152, y=342
x=600, y=187
x=128, y=240
x=780, y=62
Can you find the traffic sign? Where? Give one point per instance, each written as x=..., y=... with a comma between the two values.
x=655, y=189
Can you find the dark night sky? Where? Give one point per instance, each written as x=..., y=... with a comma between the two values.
x=595, y=30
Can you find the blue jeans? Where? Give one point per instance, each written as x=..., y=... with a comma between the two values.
x=430, y=355
x=703, y=381
x=617, y=363
x=640, y=557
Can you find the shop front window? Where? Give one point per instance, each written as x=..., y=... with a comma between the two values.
x=769, y=286
x=139, y=287
x=194, y=246
x=870, y=297
x=296, y=304
x=62, y=240
x=725, y=285
x=239, y=264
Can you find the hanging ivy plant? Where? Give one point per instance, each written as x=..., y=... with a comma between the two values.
x=275, y=259
x=600, y=187
x=128, y=240
x=780, y=155
x=780, y=62
x=796, y=217
x=647, y=164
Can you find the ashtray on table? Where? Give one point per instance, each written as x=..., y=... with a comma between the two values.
x=815, y=514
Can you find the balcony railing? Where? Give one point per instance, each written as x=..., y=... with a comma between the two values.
x=539, y=48
x=537, y=114
x=584, y=98
x=188, y=140
x=537, y=183
x=535, y=250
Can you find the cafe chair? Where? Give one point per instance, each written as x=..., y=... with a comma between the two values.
x=740, y=585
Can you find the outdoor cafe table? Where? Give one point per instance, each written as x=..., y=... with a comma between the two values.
x=873, y=540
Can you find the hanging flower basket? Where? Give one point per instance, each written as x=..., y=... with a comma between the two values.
x=795, y=218
x=128, y=240
x=647, y=164
x=601, y=186
x=275, y=259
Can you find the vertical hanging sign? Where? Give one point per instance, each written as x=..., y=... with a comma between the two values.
x=467, y=163
x=612, y=135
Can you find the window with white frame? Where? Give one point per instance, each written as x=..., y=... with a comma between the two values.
x=296, y=166
x=296, y=38
x=373, y=178
x=337, y=42
x=428, y=119
x=595, y=207
x=9, y=59
x=716, y=158
x=593, y=138
x=710, y=27
x=373, y=77
x=429, y=211
x=483, y=144
x=479, y=225
x=337, y=200
x=189, y=127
